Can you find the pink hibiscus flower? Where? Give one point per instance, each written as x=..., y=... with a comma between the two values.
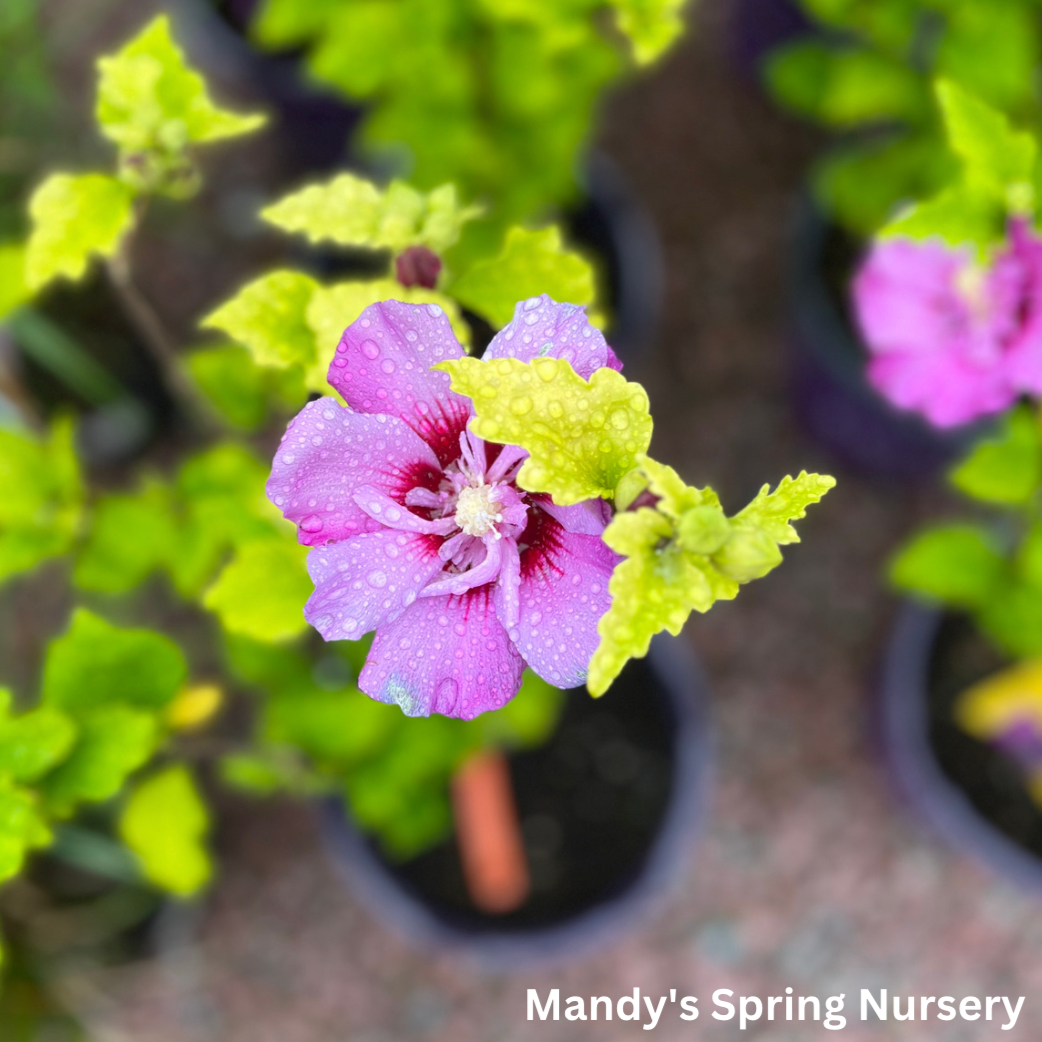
x=949, y=338
x=419, y=530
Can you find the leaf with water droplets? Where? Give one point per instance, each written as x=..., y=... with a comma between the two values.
x=655, y=588
x=582, y=436
x=771, y=512
x=683, y=554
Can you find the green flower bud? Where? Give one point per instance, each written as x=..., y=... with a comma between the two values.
x=630, y=485
x=749, y=554
x=703, y=530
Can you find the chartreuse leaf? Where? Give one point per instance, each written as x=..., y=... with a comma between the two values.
x=352, y=211
x=1007, y=468
x=333, y=308
x=269, y=317
x=956, y=564
x=962, y=213
x=997, y=157
x=34, y=742
x=14, y=290
x=165, y=823
x=683, y=554
x=95, y=663
x=114, y=741
x=651, y=25
x=531, y=263
x=654, y=588
x=42, y=500
x=75, y=218
x=22, y=827
x=582, y=437
x=772, y=512
x=261, y=592
x=149, y=98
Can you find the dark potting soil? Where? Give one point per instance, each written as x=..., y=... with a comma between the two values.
x=591, y=802
x=992, y=780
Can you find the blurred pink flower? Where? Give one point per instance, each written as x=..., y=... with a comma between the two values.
x=950, y=338
x=419, y=530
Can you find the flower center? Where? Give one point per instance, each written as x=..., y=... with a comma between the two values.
x=477, y=511
x=971, y=284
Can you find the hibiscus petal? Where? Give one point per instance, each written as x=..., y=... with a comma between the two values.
x=564, y=593
x=945, y=389
x=367, y=581
x=542, y=328
x=587, y=518
x=483, y=572
x=389, y=512
x=444, y=655
x=382, y=365
x=906, y=299
x=507, y=595
x=327, y=452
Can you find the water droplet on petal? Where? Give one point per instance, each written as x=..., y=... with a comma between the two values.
x=370, y=348
x=377, y=579
x=312, y=524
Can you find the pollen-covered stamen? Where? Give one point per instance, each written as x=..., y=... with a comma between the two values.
x=478, y=510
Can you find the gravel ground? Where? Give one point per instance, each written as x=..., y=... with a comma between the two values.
x=812, y=874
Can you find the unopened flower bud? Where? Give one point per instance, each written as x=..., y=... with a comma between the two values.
x=630, y=486
x=748, y=554
x=703, y=530
x=417, y=266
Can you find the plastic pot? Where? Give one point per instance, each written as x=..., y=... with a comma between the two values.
x=424, y=900
x=966, y=790
x=830, y=391
x=613, y=224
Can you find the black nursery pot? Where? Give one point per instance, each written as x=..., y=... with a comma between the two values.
x=967, y=790
x=831, y=393
x=609, y=806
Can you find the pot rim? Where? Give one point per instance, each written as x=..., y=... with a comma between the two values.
x=906, y=737
x=663, y=868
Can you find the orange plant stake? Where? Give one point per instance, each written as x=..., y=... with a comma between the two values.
x=489, y=834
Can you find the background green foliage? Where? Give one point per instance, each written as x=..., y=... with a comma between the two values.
x=318, y=734
x=867, y=74
x=496, y=98
x=991, y=568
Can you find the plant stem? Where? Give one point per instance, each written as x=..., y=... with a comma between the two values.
x=159, y=343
